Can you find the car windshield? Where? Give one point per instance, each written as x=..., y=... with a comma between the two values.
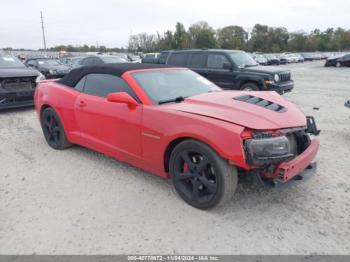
x=48, y=62
x=9, y=62
x=167, y=85
x=112, y=59
x=242, y=59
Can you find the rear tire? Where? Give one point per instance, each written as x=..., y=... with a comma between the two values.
x=200, y=176
x=53, y=130
x=249, y=87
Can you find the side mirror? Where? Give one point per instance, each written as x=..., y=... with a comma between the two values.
x=227, y=66
x=122, y=98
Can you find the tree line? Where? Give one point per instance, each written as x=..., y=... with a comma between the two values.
x=262, y=38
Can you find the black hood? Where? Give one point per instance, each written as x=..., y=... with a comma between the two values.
x=333, y=58
x=264, y=69
x=18, y=72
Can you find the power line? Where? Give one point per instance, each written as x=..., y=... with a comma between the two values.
x=43, y=30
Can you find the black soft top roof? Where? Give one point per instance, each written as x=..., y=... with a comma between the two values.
x=75, y=75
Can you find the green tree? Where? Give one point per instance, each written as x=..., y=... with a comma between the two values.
x=297, y=42
x=259, y=40
x=166, y=41
x=232, y=37
x=201, y=35
x=180, y=39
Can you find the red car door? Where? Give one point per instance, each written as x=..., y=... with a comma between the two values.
x=111, y=128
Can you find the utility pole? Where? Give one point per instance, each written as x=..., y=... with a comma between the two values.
x=42, y=28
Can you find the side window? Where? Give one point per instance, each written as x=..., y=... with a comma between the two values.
x=103, y=84
x=31, y=63
x=87, y=61
x=177, y=59
x=196, y=60
x=97, y=61
x=347, y=57
x=216, y=61
x=80, y=85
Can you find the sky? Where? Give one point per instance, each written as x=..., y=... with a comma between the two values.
x=110, y=22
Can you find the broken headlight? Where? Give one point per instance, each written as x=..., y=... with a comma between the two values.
x=268, y=150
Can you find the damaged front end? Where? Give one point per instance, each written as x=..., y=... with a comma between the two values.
x=284, y=155
x=17, y=91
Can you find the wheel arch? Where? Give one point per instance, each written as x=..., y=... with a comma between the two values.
x=173, y=143
x=255, y=81
x=43, y=107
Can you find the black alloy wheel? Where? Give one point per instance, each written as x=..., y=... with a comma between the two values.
x=53, y=129
x=200, y=176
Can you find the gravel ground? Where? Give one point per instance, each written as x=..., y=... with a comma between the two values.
x=78, y=201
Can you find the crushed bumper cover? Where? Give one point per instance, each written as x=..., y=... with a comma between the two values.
x=16, y=99
x=302, y=177
x=288, y=170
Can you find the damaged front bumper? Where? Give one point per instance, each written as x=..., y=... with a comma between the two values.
x=296, y=170
x=16, y=100
x=286, y=171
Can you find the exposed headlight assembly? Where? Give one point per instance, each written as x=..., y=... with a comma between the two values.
x=268, y=150
x=39, y=78
x=276, y=77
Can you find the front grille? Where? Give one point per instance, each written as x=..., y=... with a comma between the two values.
x=284, y=77
x=18, y=84
x=261, y=102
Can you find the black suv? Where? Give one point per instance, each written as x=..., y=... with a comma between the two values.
x=232, y=69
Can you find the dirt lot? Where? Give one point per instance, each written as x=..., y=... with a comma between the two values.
x=81, y=202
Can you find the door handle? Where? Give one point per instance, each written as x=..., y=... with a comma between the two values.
x=82, y=103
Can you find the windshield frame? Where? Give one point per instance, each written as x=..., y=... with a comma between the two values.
x=151, y=100
x=241, y=65
x=17, y=62
x=107, y=59
x=45, y=64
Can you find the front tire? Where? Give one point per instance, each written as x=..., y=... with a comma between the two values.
x=53, y=129
x=249, y=87
x=200, y=176
x=338, y=64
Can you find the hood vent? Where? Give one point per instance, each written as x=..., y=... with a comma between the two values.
x=261, y=102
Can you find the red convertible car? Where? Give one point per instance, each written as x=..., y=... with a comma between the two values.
x=175, y=123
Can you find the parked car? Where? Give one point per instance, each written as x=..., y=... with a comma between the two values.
x=150, y=58
x=347, y=103
x=176, y=124
x=122, y=55
x=259, y=58
x=134, y=58
x=291, y=58
x=299, y=57
x=272, y=59
x=282, y=58
x=70, y=61
x=338, y=61
x=17, y=82
x=308, y=56
x=232, y=69
x=99, y=60
x=163, y=56
x=49, y=67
